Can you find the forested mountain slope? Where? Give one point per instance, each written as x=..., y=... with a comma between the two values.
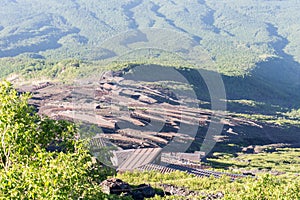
x=235, y=35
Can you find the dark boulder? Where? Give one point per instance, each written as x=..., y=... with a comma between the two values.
x=119, y=187
x=115, y=186
x=146, y=190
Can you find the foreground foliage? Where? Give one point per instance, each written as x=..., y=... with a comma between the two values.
x=263, y=187
x=27, y=170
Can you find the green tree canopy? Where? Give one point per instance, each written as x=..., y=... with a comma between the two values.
x=27, y=170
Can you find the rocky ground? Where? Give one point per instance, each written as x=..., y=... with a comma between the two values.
x=140, y=192
x=138, y=114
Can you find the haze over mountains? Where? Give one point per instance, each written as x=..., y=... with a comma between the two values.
x=236, y=33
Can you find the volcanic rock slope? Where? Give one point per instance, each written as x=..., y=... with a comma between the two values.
x=137, y=114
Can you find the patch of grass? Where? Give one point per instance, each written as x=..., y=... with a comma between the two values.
x=282, y=160
x=263, y=187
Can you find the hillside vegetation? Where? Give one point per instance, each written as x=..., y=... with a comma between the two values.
x=40, y=158
x=29, y=169
x=263, y=187
x=232, y=36
x=253, y=44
